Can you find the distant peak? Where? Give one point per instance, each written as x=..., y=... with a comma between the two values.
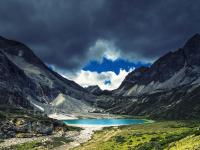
x=94, y=89
x=196, y=35
x=193, y=42
x=94, y=86
x=5, y=43
x=2, y=38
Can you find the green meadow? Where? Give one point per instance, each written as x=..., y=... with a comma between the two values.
x=161, y=135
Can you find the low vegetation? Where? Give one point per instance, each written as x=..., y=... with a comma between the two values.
x=159, y=135
x=35, y=145
x=168, y=135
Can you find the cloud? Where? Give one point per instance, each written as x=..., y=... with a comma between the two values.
x=64, y=32
x=103, y=49
x=105, y=80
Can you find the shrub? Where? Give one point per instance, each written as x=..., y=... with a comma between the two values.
x=120, y=139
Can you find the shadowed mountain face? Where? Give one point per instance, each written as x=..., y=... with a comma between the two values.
x=96, y=90
x=170, y=88
x=170, y=71
x=13, y=82
x=27, y=82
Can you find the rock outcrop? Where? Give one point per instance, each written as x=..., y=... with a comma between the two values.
x=96, y=90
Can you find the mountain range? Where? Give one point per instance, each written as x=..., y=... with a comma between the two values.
x=169, y=88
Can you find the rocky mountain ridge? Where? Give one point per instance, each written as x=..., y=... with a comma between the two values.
x=27, y=82
x=174, y=69
x=169, y=88
x=95, y=89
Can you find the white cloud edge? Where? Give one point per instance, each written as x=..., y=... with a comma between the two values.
x=88, y=78
x=104, y=48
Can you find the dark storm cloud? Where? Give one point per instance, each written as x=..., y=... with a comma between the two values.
x=61, y=32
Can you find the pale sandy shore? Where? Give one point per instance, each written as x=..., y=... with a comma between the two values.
x=62, y=116
x=83, y=137
x=88, y=130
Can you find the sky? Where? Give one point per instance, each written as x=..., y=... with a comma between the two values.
x=99, y=41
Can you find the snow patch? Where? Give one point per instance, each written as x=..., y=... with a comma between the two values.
x=37, y=106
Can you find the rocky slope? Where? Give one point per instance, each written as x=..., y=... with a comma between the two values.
x=20, y=123
x=12, y=82
x=25, y=81
x=170, y=88
x=174, y=69
x=96, y=90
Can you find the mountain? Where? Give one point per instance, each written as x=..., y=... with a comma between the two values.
x=170, y=71
x=12, y=82
x=96, y=90
x=25, y=81
x=169, y=88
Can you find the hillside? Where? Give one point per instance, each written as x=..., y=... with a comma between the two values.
x=28, y=83
x=169, y=88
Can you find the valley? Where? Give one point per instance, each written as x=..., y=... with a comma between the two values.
x=99, y=74
x=168, y=135
x=34, y=101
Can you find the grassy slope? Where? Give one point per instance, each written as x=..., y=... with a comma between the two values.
x=55, y=142
x=169, y=135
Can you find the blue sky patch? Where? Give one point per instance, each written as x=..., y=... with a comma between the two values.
x=107, y=82
x=115, y=66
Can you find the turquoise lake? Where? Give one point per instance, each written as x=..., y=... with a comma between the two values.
x=103, y=122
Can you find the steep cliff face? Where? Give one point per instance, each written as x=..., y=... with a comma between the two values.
x=38, y=85
x=170, y=88
x=13, y=84
x=174, y=69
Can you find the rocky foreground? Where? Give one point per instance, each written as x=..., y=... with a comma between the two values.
x=18, y=127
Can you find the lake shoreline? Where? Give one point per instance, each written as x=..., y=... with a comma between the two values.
x=182, y=134
x=89, y=130
x=62, y=116
x=84, y=136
